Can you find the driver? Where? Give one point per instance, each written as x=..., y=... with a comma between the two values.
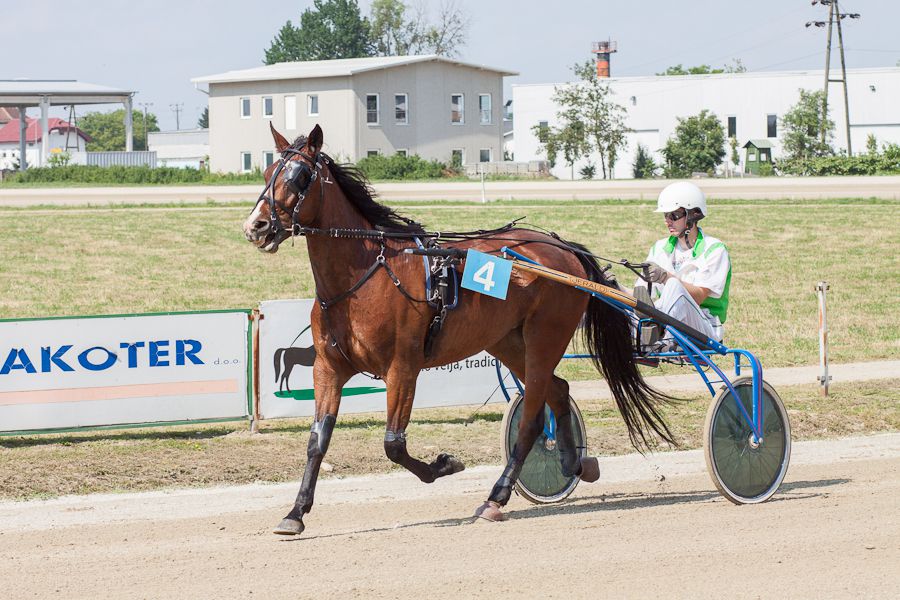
x=690, y=271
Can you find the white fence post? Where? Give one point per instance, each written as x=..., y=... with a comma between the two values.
x=824, y=378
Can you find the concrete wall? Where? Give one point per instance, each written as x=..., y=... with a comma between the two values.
x=653, y=105
x=430, y=132
x=229, y=134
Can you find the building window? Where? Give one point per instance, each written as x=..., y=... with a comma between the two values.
x=268, y=107
x=484, y=108
x=245, y=108
x=402, y=152
x=372, y=109
x=457, y=157
x=771, y=126
x=372, y=153
x=401, y=116
x=268, y=159
x=543, y=131
x=484, y=155
x=290, y=112
x=457, y=108
x=312, y=105
x=246, y=164
x=732, y=127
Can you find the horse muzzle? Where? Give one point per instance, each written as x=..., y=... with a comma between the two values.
x=259, y=233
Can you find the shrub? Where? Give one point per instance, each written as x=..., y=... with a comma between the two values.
x=128, y=175
x=588, y=171
x=400, y=167
x=888, y=162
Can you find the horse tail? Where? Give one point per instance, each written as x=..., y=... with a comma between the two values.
x=278, y=354
x=608, y=338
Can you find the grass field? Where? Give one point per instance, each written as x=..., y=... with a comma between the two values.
x=109, y=260
x=226, y=453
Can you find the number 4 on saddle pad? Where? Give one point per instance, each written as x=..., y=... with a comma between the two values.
x=486, y=274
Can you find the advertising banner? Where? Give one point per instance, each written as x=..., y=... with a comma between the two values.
x=89, y=371
x=286, y=356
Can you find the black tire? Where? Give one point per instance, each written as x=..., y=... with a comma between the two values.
x=541, y=480
x=742, y=472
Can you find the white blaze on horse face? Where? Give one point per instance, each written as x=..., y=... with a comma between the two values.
x=250, y=231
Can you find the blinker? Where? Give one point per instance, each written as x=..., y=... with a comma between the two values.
x=293, y=171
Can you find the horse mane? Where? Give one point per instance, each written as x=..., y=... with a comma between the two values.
x=359, y=192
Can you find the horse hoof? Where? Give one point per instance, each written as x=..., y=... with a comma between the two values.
x=590, y=469
x=490, y=511
x=289, y=527
x=446, y=464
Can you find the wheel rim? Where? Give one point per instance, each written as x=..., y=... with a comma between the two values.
x=748, y=470
x=541, y=477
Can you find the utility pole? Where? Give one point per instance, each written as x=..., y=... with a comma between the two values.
x=144, y=105
x=834, y=16
x=177, y=108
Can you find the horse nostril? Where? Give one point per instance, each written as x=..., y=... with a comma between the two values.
x=260, y=225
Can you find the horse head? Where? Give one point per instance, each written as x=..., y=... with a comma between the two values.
x=293, y=191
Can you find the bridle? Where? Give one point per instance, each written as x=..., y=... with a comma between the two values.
x=293, y=171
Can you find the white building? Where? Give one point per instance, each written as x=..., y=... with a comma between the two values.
x=750, y=106
x=432, y=106
x=181, y=148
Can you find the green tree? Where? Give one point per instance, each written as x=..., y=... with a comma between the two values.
x=643, y=167
x=737, y=66
x=330, y=29
x=398, y=30
x=568, y=140
x=203, y=121
x=589, y=102
x=107, y=130
x=871, y=144
x=735, y=156
x=698, y=145
x=801, y=138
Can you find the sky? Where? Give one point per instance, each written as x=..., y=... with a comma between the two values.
x=156, y=47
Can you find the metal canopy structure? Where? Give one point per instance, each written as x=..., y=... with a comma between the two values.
x=44, y=93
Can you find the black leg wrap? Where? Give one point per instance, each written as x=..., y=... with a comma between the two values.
x=568, y=455
x=319, y=438
x=503, y=488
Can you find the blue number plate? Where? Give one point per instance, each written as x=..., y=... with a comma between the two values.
x=486, y=274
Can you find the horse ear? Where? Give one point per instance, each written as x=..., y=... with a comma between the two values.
x=280, y=142
x=314, y=141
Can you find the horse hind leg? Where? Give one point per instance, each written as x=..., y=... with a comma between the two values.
x=571, y=463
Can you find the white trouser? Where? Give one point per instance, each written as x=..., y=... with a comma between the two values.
x=678, y=304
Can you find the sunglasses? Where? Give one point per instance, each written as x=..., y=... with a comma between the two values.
x=675, y=215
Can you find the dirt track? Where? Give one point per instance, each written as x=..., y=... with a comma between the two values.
x=649, y=528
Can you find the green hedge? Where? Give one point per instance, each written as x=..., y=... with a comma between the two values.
x=402, y=167
x=127, y=175
x=884, y=163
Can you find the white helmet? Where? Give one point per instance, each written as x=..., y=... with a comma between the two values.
x=682, y=194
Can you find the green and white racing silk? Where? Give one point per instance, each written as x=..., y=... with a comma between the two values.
x=705, y=265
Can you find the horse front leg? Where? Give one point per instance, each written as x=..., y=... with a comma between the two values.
x=401, y=391
x=328, y=385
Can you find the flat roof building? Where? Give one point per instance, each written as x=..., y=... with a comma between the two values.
x=749, y=105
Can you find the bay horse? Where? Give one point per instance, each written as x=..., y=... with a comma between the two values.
x=370, y=316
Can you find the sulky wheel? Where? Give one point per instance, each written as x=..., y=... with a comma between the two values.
x=743, y=471
x=541, y=479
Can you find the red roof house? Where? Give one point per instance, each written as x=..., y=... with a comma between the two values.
x=7, y=114
x=9, y=133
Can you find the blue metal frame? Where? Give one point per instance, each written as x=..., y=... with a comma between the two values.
x=689, y=351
